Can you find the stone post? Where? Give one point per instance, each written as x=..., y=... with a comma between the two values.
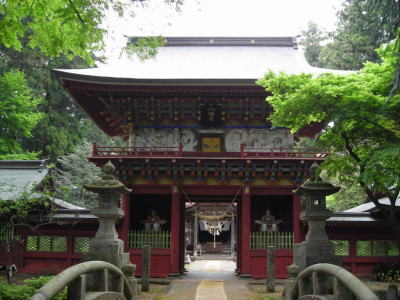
x=106, y=245
x=129, y=271
x=271, y=269
x=392, y=292
x=316, y=248
x=146, y=268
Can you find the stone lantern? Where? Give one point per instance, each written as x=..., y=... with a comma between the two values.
x=106, y=245
x=316, y=248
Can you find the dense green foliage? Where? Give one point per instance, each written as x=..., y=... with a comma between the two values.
x=55, y=27
x=389, y=16
x=18, y=115
x=145, y=47
x=60, y=127
x=37, y=36
x=363, y=25
x=360, y=31
x=312, y=39
x=26, y=289
x=361, y=126
x=74, y=170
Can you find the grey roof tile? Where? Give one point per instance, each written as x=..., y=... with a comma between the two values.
x=224, y=61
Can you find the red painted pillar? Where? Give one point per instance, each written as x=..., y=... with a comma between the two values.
x=297, y=225
x=238, y=237
x=175, y=229
x=353, y=250
x=70, y=246
x=245, y=231
x=123, y=230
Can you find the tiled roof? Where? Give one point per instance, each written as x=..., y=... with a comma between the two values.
x=208, y=60
x=19, y=176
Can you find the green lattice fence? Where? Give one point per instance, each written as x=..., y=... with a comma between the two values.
x=5, y=232
x=377, y=248
x=155, y=239
x=342, y=247
x=260, y=240
x=46, y=243
x=81, y=244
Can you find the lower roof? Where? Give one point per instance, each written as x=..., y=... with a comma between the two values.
x=19, y=176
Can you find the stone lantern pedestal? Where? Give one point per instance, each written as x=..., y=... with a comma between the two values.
x=316, y=248
x=106, y=245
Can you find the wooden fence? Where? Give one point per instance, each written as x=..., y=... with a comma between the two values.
x=260, y=240
x=155, y=239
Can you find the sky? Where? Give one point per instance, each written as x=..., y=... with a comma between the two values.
x=220, y=18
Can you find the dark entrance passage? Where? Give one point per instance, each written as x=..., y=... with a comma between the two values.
x=210, y=228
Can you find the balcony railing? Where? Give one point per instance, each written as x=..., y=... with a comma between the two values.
x=245, y=152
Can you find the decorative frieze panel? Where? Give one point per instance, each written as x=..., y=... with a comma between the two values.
x=258, y=139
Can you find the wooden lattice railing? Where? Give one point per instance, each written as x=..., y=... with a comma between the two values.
x=329, y=282
x=261, y=240
x=177, y=151
x=155, y=239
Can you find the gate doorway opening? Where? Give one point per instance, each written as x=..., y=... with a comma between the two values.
x=210, y=230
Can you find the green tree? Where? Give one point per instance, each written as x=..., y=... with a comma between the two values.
x=312, y=40
x=389, y=16
x=55, y=27
x=18, y=115
x=73, y=170
x=360, y=31
x=362, y=128
x=61, y=127
x=37, y=36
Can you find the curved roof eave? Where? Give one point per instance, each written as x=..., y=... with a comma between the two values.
x=70, y=75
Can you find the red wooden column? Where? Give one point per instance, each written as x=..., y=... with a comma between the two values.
x=175, y=230
x=70, y=245
x=239, y=237
x=245, y=232
x=123, y=231
x=297, y=225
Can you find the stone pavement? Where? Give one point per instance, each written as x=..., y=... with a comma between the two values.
x=209, y=280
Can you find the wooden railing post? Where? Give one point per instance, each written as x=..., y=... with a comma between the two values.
x=94, y=149
x=242, y=150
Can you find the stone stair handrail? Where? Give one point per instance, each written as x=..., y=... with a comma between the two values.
x=314, y=283
x=75, y=278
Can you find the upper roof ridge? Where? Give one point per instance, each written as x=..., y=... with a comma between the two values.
x=284, y=41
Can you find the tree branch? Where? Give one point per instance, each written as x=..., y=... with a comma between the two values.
x=349, y=148
x=76, y=11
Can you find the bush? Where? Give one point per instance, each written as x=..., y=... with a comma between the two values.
x=387, y=273
x=26, y=290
